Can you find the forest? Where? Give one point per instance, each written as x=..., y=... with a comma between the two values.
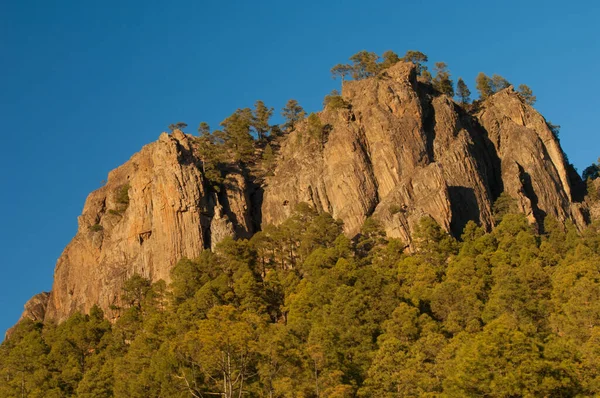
x=301, y=310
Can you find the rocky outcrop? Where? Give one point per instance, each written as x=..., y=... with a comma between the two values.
x=402, y=151
x=398, y=152
x=152, y=211
x=34, y=309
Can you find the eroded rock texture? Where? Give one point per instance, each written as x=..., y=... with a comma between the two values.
x=398, y=152
x=401, y=151
x=169, y=215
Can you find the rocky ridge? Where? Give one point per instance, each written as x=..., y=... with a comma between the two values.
x=398, y=152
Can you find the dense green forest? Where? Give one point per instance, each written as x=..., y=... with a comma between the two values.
x=300, y=310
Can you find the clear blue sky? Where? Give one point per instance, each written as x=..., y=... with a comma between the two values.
x=86, y=84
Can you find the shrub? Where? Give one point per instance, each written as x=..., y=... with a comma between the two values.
x=122, y=194
x=395, y=209
x=334, y=100
x=96, y=228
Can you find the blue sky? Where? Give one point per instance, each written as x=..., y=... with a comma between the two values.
x=86, y=84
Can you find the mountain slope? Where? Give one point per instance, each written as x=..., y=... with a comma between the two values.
x=398, y=151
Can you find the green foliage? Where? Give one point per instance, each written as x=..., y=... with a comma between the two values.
x=442, y=81
x=554, y=129
x=505, y=204
x=236, y=134
x=389, y=58
x=334, y=100
x=293, y=113
x=302, y=310
x=488, y=86
x=484, y=85
x=499, y=83
x=210, y=152
x=527, y=95
x=364, y=64
x=177, y=126
x=417, y=58
x=315, y=127
x=260, y=120
x=341, y=71
x=122, y=195
x=96, y=228
x=395, y=209
x=463, y=92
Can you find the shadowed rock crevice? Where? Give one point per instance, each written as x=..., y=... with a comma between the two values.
x=465, y=208
x=426, y=93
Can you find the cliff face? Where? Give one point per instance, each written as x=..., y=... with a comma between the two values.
x=168, y=216
x=401, y=152
x=398, y=152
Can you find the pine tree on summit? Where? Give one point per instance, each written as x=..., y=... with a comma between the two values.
x=484, y=85
x=527, y=94
x=442, y=82
x=463, y=92
x=236, y=132
x=417, y=58
x=389, y=58
x=293, y=113
x=260, y=120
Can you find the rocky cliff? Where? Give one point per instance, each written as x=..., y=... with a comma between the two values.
x=398, y=151
x=152, y=211
x=401, y=151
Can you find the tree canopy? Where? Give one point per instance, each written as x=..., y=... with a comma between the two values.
x=302, y=310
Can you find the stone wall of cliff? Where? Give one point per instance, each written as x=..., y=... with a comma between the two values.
x=398, y=152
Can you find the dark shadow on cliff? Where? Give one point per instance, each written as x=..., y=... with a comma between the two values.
x=465, y=208
x=538, y=213
x=426, y=93
x=490, y=165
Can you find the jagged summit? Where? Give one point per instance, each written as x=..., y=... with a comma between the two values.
x=401, y=152
x=397, y=150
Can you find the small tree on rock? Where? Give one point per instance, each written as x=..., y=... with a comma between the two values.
x=417, y=58
x=177, y=126
x=293, y=113
x=442, y=82
x=499, y=83
x=341, y=71
x=364, y=64
x=260, y=119
x=484, y=85
x=527, y=95
x=389, y=58
x=463, y=92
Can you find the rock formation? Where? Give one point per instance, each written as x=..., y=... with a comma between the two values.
x=152, y=211
x=399, y=151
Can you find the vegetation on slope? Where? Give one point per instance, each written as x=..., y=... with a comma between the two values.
x=302, y=311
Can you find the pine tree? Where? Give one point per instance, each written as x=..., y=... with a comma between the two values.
x=210, y=154
x=484, y=86
x=499, y=83
x=260, y=120
x=527, y=94
x=463, y=92
x=341, y=71
x=236, y=133
x=389, y=58
x=364, y=64
x=292, y=113
x=417, y=58
x=442, y=81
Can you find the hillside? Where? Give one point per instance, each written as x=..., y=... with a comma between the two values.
x=376, y=248
x=397, y=150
